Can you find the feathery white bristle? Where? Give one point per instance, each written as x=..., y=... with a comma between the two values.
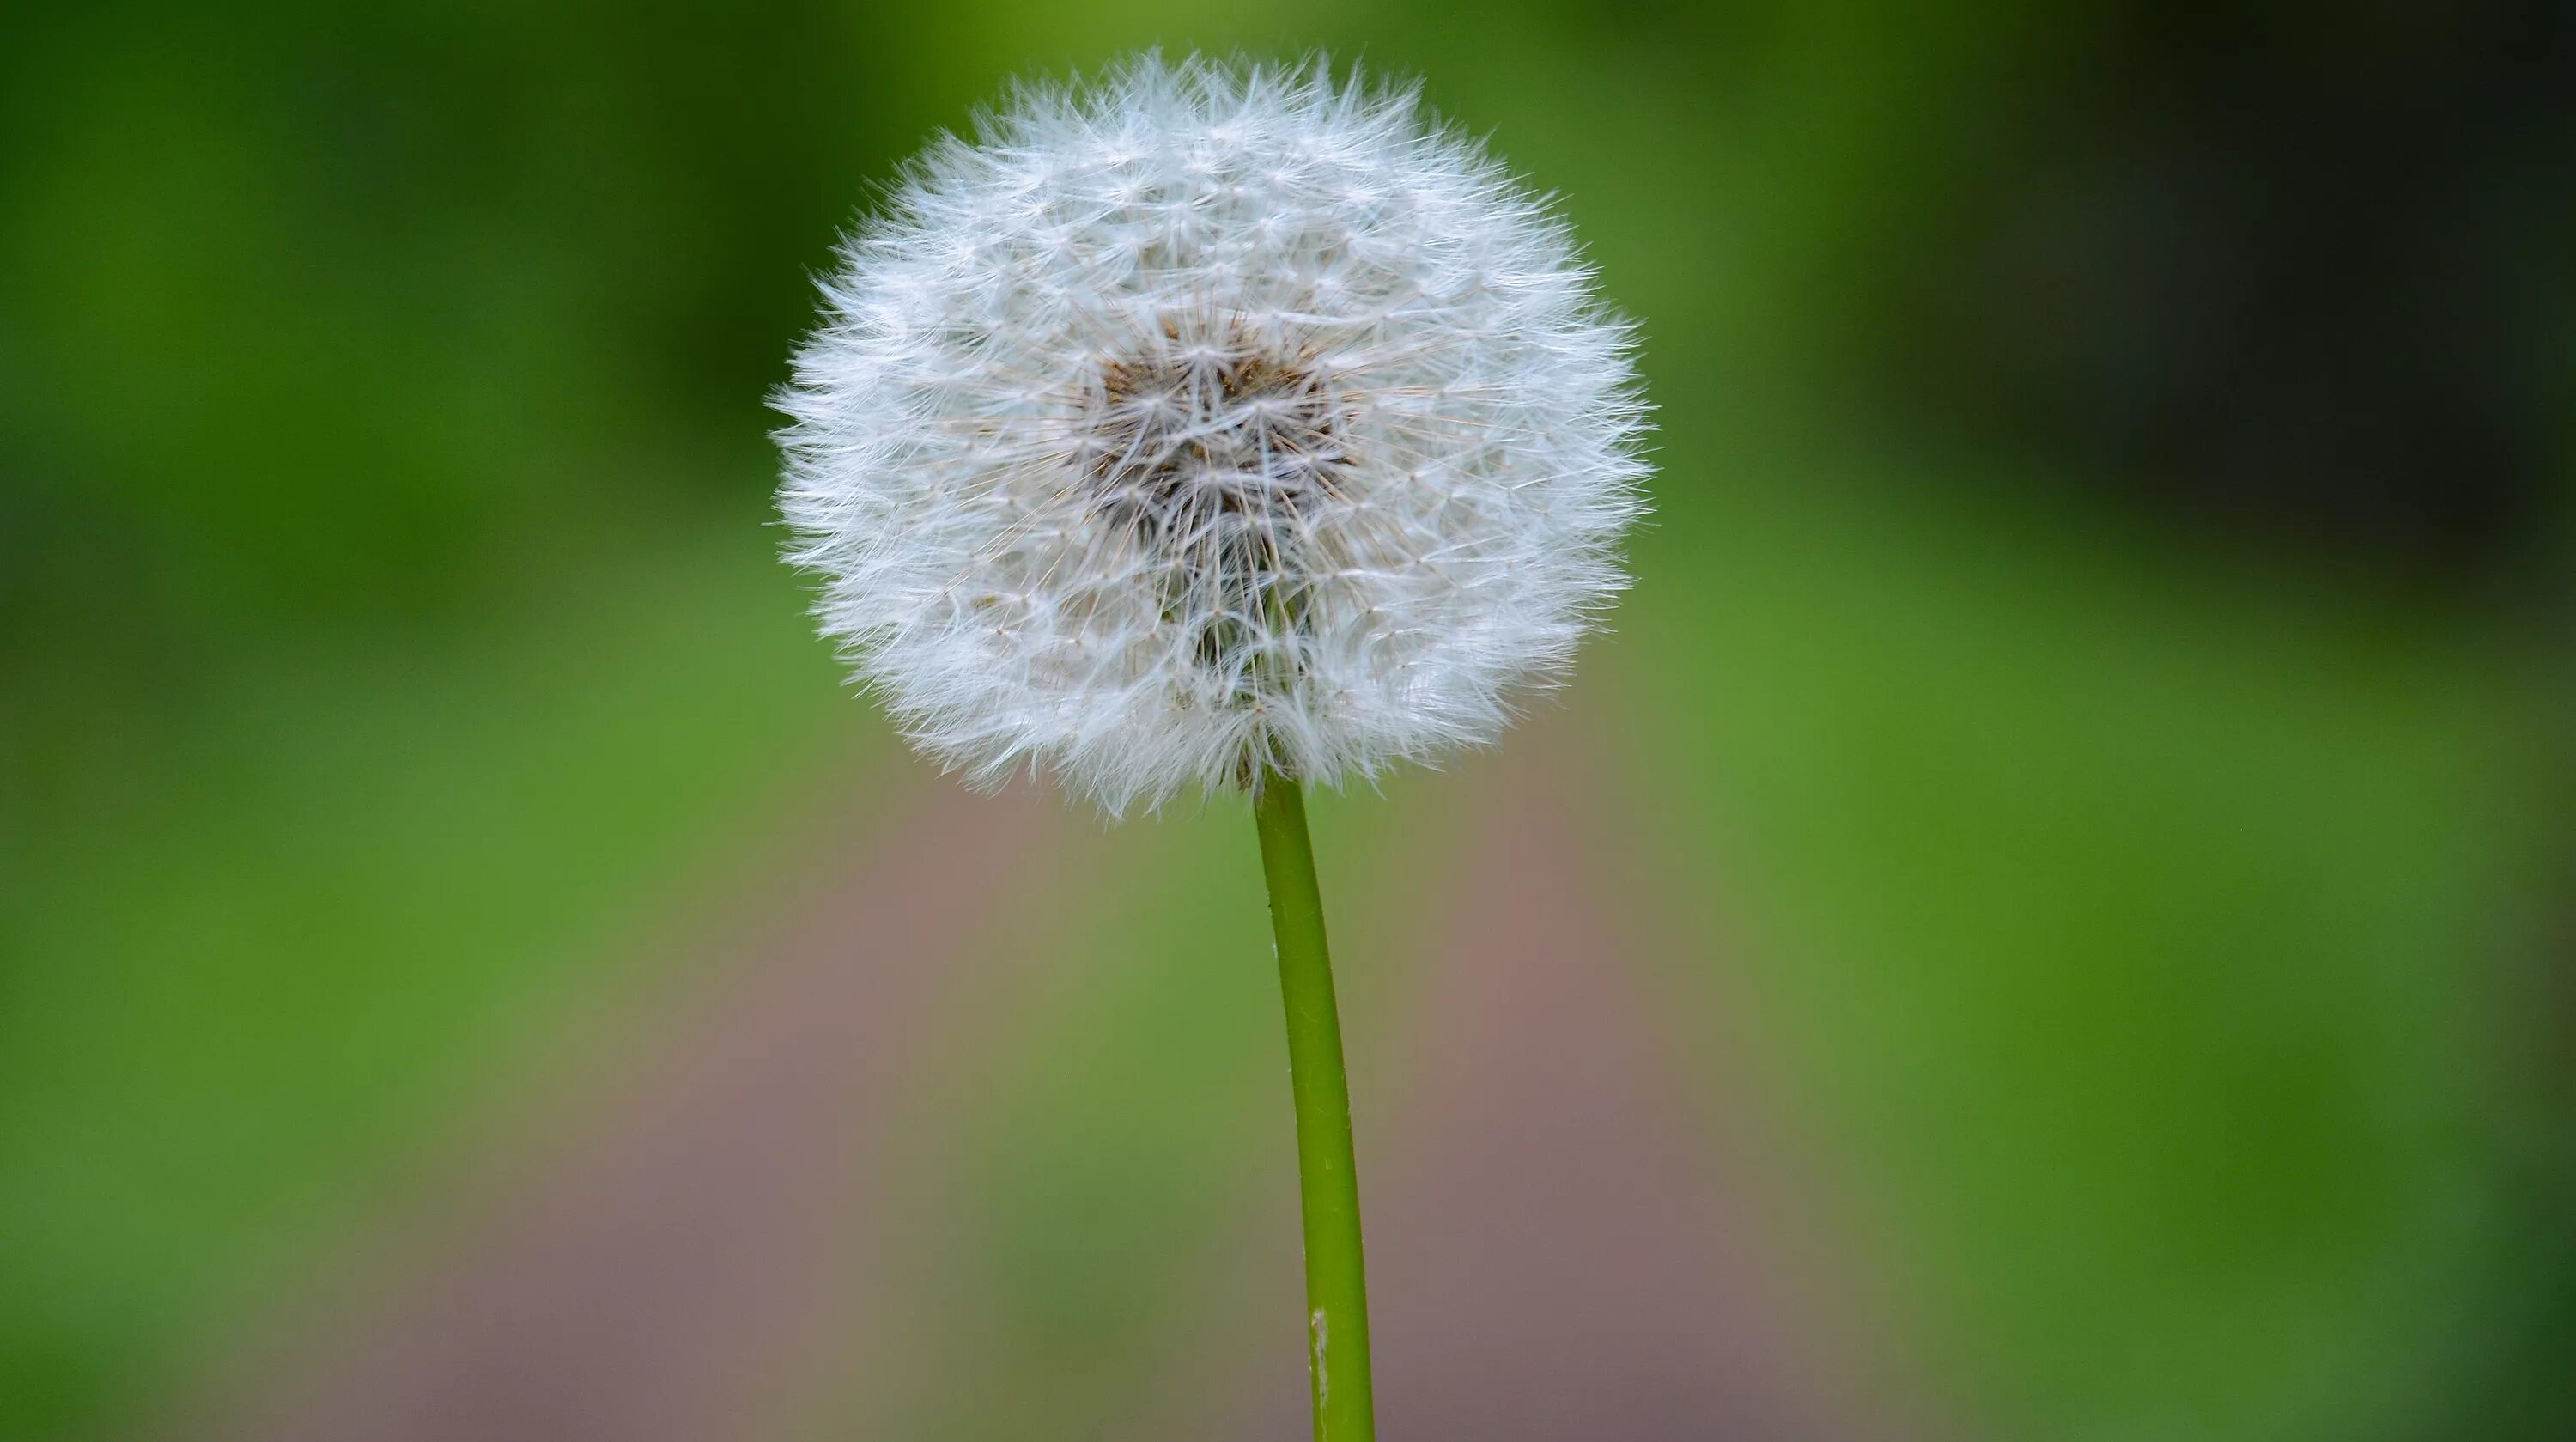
x=1207, y=418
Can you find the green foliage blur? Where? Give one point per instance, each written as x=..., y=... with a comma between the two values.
x=2131, y=747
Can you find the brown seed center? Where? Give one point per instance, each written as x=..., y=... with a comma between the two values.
x=1196, y=447
x=1214, y=457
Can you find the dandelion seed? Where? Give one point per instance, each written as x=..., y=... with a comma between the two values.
x=1207, y=420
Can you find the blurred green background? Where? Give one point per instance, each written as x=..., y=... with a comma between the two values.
x=2098, y=685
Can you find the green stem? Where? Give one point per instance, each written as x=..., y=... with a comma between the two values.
x=1328, y=1188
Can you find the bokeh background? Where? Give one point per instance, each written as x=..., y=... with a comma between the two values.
x=2050, y=919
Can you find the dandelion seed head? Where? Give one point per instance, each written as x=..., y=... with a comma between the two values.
x=1205, y=419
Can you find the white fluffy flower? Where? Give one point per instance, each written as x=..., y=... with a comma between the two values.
x=1208, y=419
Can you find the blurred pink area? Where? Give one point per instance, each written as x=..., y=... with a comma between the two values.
x=720, y=1243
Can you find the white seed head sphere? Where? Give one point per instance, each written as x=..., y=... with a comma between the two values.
x=1204, y=420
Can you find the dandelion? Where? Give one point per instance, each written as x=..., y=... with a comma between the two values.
x=1214, y=427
